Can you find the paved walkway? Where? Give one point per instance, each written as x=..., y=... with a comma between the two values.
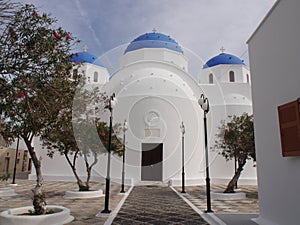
x=197, y=195
x=152, y=204
x=230, y=212
x=156, y=205
x=84, y=210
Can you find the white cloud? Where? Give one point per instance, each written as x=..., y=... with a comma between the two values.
x=200, y=25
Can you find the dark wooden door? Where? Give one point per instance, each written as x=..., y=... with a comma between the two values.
x=152, y=154
x=6, y=165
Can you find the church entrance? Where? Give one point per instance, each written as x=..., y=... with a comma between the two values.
x=152, y=154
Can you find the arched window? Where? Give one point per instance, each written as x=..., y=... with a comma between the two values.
x=248, y=79
x=95, y=76
x=231, y=76
x=210, y=78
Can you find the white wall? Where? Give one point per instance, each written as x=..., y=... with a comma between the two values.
x=221, y=73
x=227, y=99
x=274, y=60
x=155, y=54
x=142, y=87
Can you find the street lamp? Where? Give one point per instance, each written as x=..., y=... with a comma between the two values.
x=204, y=104
x=235, y=170
x=125, y=127
x=112, y=104
x=15, y=165
x=182, y=180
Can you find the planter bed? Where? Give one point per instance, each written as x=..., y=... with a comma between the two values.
x=75, y=194
x=14, y=216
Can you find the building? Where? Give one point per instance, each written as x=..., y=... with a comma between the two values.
x=225, y=79
x=274, y=60
x=7, y=162
x=156, y=93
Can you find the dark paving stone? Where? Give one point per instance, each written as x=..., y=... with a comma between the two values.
x=156, y=205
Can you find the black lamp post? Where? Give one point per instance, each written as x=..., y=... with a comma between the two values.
x=182, y=132
x=204, y=104
x=235, y=169
x=123, y=165
x=15, y=165
x=112, y=104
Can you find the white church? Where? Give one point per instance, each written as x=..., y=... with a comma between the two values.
x=156, y=94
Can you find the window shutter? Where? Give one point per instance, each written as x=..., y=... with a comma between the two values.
x=289, y=122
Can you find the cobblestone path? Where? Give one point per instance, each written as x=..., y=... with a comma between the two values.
x=156, y=205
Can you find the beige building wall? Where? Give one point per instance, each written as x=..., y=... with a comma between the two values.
x=7, y=161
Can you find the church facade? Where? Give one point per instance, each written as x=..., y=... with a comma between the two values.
x=156, y=94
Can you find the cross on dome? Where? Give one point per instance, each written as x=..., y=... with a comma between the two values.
x=85, y=48
x=222, y=49
x=154, y=30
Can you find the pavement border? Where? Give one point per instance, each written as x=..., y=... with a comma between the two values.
x=114, y=213
x=208, y=217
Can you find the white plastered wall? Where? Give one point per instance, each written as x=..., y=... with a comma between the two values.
x=274, y=60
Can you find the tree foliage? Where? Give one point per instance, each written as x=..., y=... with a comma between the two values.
x=80, y=132
x=35, y=83
x=7, y=9
x=236, y=140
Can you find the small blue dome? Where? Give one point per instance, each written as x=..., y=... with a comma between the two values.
x=85, y=57
x=153, y=40
x=223, y=58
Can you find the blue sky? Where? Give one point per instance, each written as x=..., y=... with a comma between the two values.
x=203, y=26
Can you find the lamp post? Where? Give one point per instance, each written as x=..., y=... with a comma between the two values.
x=182, y=137
x=125, y=127
x=15, y=165
x=235, y=169
x=204, y=104
x=112, y=104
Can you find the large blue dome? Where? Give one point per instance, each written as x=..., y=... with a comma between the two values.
x=223, y=58
x=153, y=40
x=85, y=57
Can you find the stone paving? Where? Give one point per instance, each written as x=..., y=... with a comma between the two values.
x=197, y=195
x=84, y=210
x=156, y=205
x=148, y=204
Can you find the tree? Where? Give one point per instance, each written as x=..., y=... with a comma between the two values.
x=236, y=139
x=79, y=131
x=34, y=81
x=7, y=9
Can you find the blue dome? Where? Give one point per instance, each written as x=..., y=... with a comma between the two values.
x=153, y=40
x=223, y=58
x=85, y=57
